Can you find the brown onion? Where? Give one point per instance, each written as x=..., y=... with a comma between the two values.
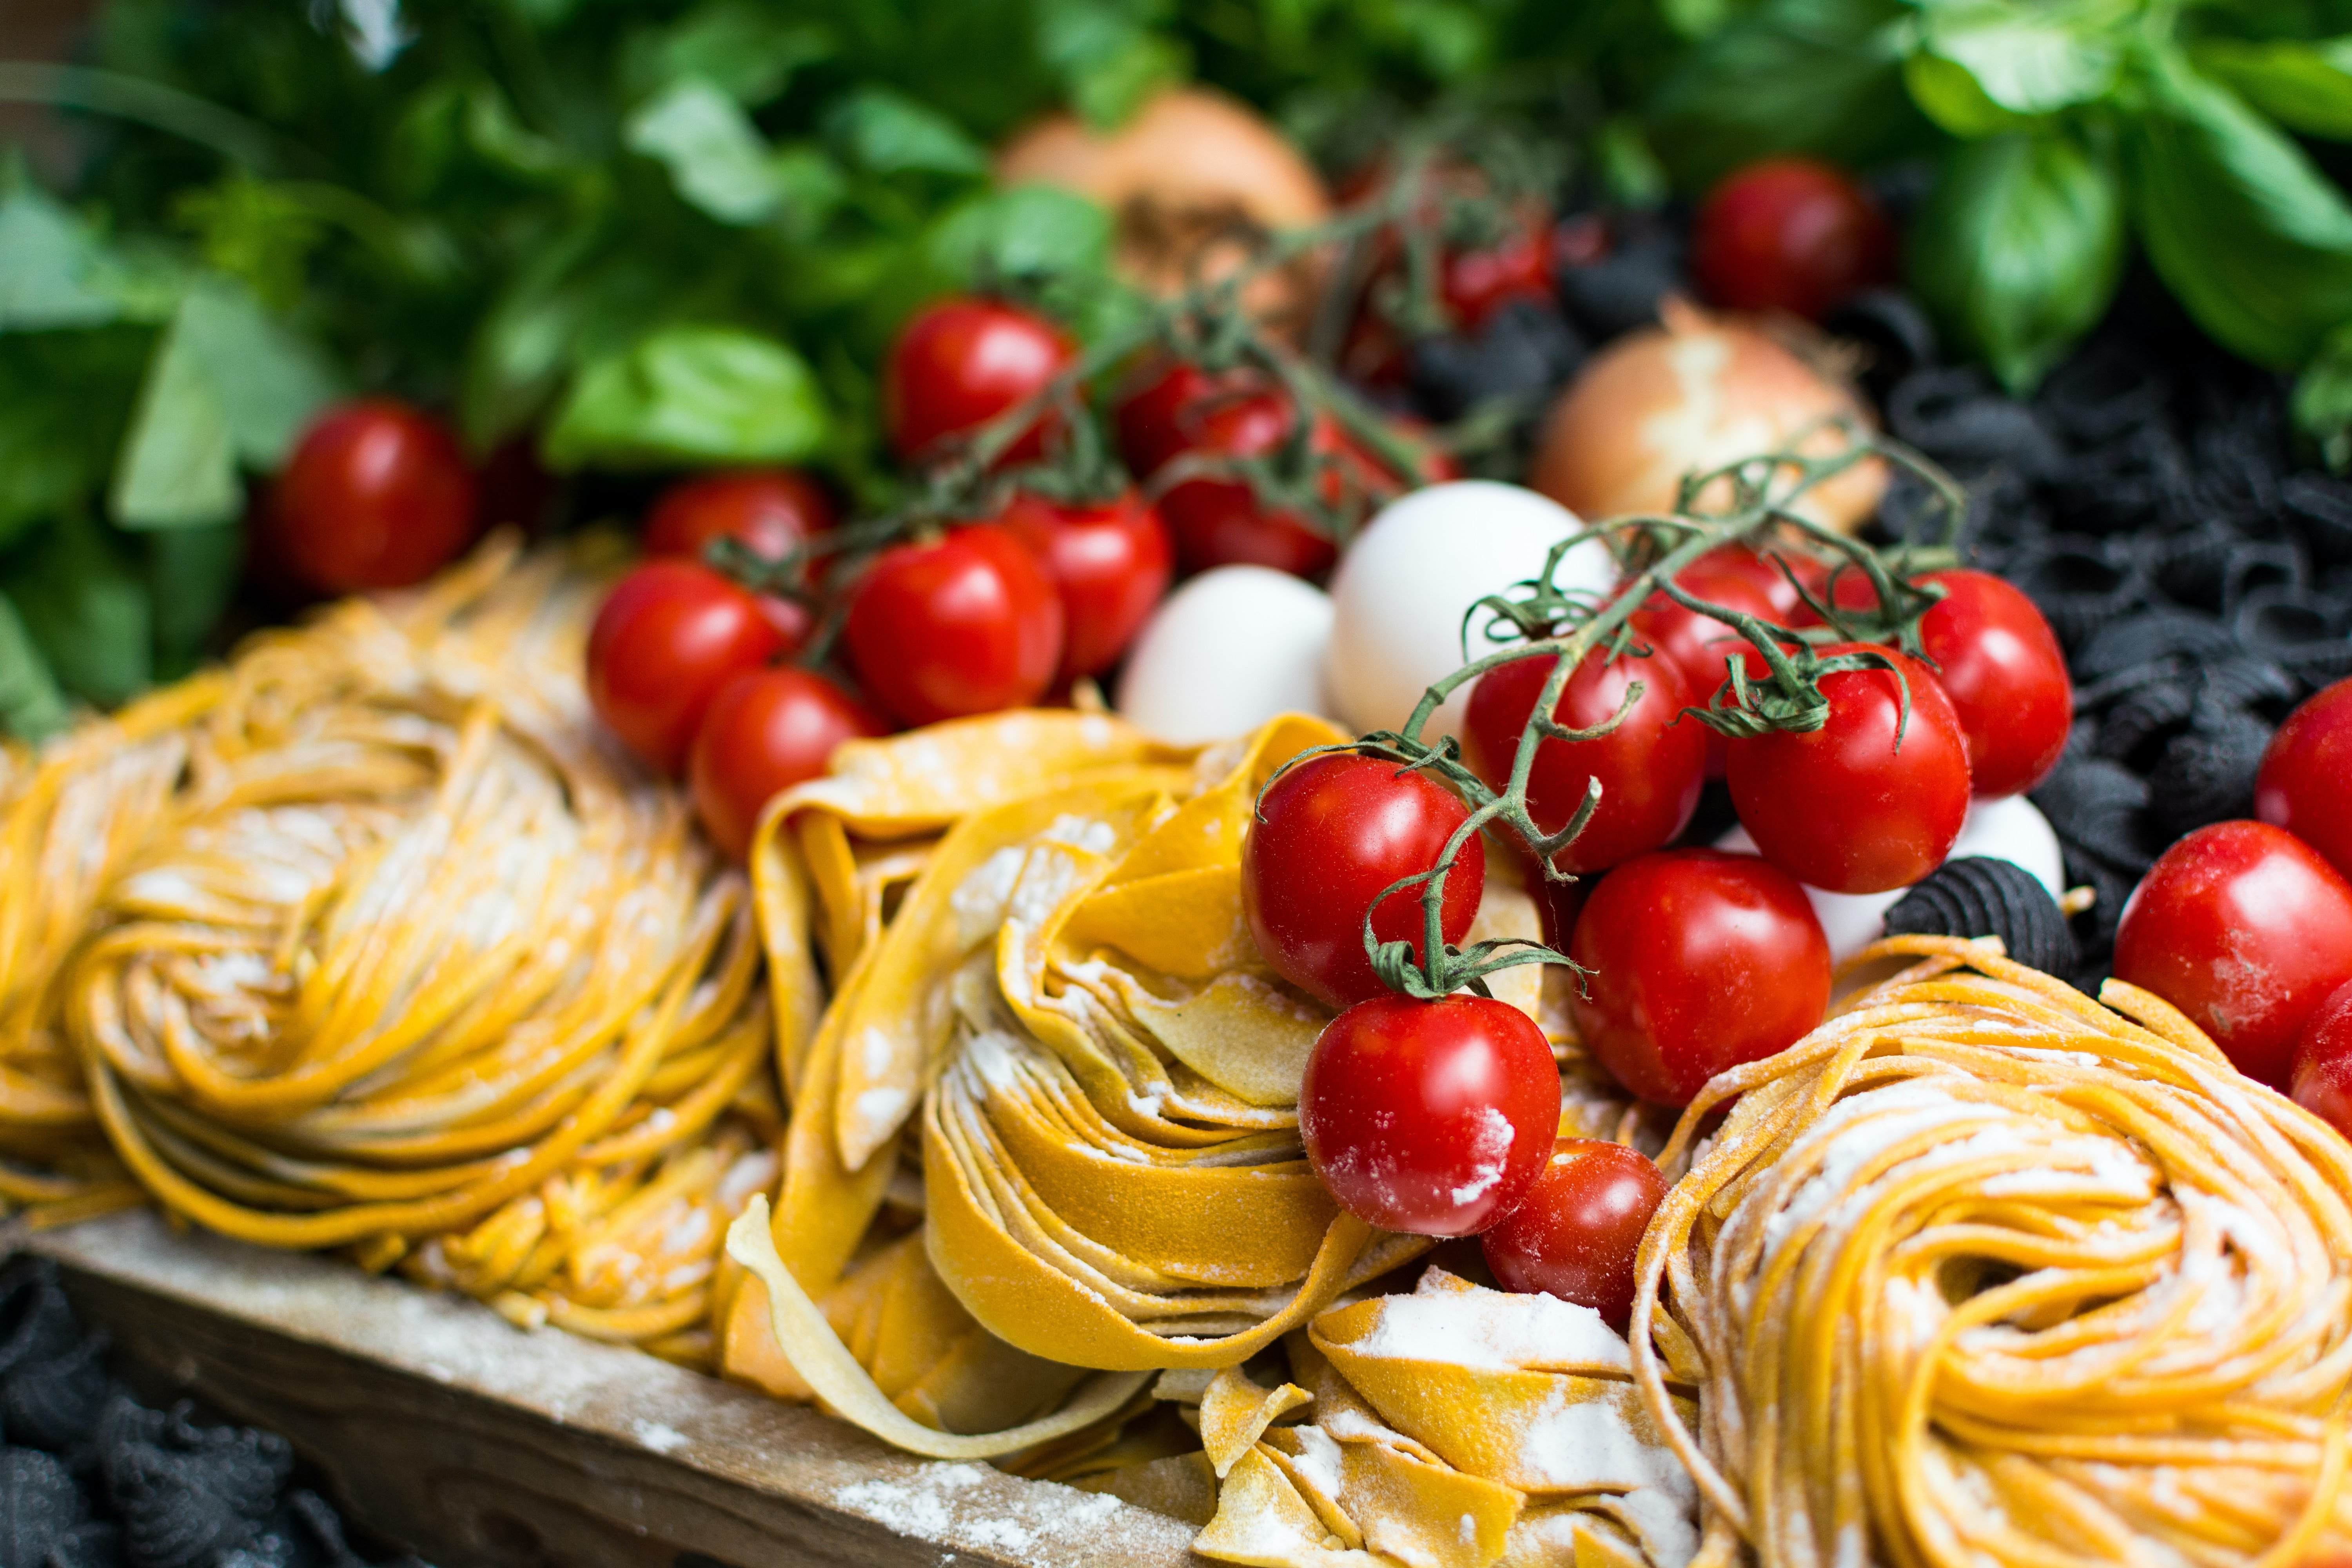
x=1190, y=171
x=1692, y=395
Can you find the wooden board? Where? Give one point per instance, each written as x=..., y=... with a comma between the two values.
x=443, y=1428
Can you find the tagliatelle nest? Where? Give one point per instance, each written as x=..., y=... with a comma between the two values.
x=370, y=940
x=1984, y=1272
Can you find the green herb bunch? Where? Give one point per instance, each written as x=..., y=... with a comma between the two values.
x=2066, y=130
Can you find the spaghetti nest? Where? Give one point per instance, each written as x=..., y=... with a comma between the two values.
x=374, y=943
x=1984, y=1272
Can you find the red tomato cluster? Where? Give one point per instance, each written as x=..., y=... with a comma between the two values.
x=2246, y=927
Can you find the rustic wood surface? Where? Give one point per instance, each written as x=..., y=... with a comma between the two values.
x=477, y=1445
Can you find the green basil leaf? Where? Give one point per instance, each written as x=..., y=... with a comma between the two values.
x=1949, y=95
x=2031, y=59
x=31, y=706
x=2322, y=403
x=53, y=271
x=2246, y=232
x=885, y=132
x=2018, y=250
x=690, y=395
x=88, y=609
x=2306, y=87
x=1109, y=56
x=714, y=155
x=192, y=576
x=1788, y=76
x=64, y=399
x=227, y=384
x=748, y=52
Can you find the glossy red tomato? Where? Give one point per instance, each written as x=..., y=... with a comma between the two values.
x=967, y=624
x=768, y=512
x=1478, y=283
x=1429, y=1117
x=1579, y=1230
x=1790, y=234
x=766, y=730
x=1702, y=646
x=669, y=636
x=2245, y=929
x=1221, y=522
x=1159, y=413
x=1329, y=835
x=2001, y=664
x=1846, y=808
x=2322, y=1080
x=1700, y=961
x=2305, y=782
x=376, y=495
x=961, y=362
x=1109, y=562
x=1651, y=767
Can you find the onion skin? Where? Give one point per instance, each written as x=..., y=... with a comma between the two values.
x=1693, y=395
x=1178, y=177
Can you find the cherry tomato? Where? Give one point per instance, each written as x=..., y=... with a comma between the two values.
x=768, y=512
x=1651, y=767
x=960, y=363
x=1478, y=283
x=1700, y=961
x=967, y=624
x=1429, y=1117
x=1739, y=579
x=669, y=636
x=1221, y=522
x=1579, y=1229
x=2322, y=1080
x=1179, y=408
x=2001, y=664
x=766, y=730
x=1845, y=808
x=1330, y=834
x=1110, y=563
x=376, y=495
x=1790, y=234
x=2245, y=929
x=2305, y=782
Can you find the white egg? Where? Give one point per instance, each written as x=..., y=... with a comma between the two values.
x=2010, y=829
x=1227, y=651
x=1410, y=576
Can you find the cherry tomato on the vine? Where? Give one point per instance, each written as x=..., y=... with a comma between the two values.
x=2305, y=782
x=1651, y=767
x=670, y=634
x=1868, y=802
x=1429, y=1117
x=2001, y=664
x=1700, y=961
x=1790, y=234
x=1739, y=579
x=1478, y=283
x=1578, y=1231
x=2245, y=929
x=376, y=495
x=966, y=623
x=961, y=362
x=768, y=512
x=1110, y=562
x=766, y=730
x=2322, y=1080
x=1159, y=412
x=1329, y=835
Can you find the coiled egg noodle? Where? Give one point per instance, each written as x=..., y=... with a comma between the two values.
x=1982, y=1271
x=1066, y=1017
x=389, y=949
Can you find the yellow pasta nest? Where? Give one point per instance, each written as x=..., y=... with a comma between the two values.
x=369, y=939
x=1984, y=1272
